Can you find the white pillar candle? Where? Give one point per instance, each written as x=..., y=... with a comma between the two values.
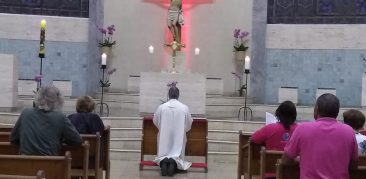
x=247, y=63
x=104, y=59
x=196, y=51
x=151, y=49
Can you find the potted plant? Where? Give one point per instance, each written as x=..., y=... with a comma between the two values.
x=107, y=39
x=240, y=44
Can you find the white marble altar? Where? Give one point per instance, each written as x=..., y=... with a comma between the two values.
x=9, y=81
x=153, y=89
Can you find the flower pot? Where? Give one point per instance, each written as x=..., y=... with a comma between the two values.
x=240, y=56
x=107, y=50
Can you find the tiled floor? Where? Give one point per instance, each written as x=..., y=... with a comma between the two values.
x=130, y=170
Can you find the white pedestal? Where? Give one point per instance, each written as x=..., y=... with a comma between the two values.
x=321, y=91
x=27, y=87
x=8, y=81
x=287, y=94
x=64, y=86
x=153, y=89
x=363, y=97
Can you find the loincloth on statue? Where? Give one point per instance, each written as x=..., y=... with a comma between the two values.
x=175, y=16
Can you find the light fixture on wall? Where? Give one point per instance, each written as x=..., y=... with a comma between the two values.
x=197, y=51
x=151, y=49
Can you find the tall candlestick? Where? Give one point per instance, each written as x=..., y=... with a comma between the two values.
x=247, y=63
x=42, y=39
x=104, y=59
x=43, y=24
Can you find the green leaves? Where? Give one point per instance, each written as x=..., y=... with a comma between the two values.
x=104, y=84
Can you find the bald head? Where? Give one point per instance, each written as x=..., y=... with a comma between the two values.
x=327, y=105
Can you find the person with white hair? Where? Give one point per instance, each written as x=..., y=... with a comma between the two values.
x=41, y=130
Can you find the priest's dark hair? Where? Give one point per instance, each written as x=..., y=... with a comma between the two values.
x=286, y=114
x=173, y=93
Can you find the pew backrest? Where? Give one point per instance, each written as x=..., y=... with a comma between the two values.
x=196, y=138
x=6, y=148
x=94, y=152
x=55, y=167
x=40, y=175
x=287, y=171
x=268, y=160
x=80, y=159
x=253, y=159
x=243, y=153
x=105, y=159
x=4, y=136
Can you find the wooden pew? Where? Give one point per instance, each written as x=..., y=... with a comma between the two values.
x=40, y=175
x=359, y=173
x=6, y=128
x=362, y=160
x=4, y=136
x=105, y=159
x=287, y=171
x=243, y=153
x=268, y=160
x=253, y=159
x=80, y=159
x=95, y=167
x=104, y=149
x=196, y=141
x=6, y=148
x=56, y=167
x=293, y=171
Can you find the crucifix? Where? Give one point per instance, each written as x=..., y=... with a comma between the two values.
x=175, y=46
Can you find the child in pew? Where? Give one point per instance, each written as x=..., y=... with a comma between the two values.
x=85, y=121
x=40, y=130
x=275, y=136
x=356, y=120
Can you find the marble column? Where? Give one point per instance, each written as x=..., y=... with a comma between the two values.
x=258, y=51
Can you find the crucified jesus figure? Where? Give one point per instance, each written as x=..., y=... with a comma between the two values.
x=175, y=19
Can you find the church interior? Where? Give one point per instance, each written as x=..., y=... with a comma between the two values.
x=234, y=62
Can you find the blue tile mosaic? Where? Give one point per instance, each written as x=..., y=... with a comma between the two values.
x=312, y=69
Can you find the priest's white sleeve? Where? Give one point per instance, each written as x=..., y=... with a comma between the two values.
x=188, y=120
x=157, y=117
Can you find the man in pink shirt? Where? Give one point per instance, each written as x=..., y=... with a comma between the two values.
x=326, y=147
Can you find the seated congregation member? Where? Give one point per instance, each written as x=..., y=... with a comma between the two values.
x=275, y=136
x=85, y=121
x=326, y=147
x=356, y=120
x=40, y=130
x=173, y=120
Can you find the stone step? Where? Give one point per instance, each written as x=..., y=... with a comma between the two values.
x=121, y=97
x=135, y=144
x=126, y=143
x=126, y=132
x=247, y=126
x=223, y=146
x=123, y=122
x=223, y=135
x=213, y=157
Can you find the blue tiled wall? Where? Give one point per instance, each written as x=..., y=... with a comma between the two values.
x=64, y=61
x=312, y=69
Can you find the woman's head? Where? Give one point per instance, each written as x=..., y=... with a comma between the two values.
x=85, y=104
x=286, y=113
x=49, y=98
x=354, y=118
